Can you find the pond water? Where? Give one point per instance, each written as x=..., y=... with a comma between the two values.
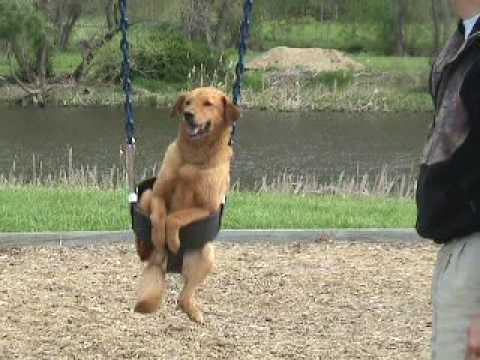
x=268, y=143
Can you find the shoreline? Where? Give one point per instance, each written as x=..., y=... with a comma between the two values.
x=354, y=99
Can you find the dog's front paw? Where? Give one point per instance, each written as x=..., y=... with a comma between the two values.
x=173, y=242
x=158, y=233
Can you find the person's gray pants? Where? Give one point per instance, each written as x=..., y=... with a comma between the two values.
x=455, y=296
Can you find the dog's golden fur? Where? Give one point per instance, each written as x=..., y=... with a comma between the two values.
x=191, y=185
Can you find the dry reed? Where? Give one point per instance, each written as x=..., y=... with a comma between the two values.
x=382, y=184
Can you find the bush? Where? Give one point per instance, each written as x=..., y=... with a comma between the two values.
x=159, y=54
x=28, y=31
x=107, y=63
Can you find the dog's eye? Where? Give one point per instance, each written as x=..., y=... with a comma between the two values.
x=207, y=103
x=188, y=102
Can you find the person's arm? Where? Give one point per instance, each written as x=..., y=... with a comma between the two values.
x=473, y=350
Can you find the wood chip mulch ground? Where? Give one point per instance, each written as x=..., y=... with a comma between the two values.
x=328, y=300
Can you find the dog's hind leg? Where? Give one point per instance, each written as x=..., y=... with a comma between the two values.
x=152, y=283
x=196, y=266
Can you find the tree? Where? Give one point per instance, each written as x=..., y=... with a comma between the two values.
x=110, y=12
x=67, y=13
x=196, y=20
x=24, y=26
x=222, y=23
x=227, y=17
x=436, y=27
x=400, y=36
x=32, y=28
x=215, y=22
x=447, y=20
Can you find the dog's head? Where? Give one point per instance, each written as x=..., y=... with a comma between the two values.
x=206, y=113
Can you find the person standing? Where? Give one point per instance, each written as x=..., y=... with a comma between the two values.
x=448, y=191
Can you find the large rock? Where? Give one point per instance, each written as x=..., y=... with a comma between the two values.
x=313, y=60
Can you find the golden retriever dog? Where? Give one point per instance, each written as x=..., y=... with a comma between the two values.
x=191, y=185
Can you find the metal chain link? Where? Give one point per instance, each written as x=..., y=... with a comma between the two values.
x=127, y=84
x=242, y=50
x=127, y=89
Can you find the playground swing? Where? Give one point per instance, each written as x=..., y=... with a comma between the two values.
x=197, y=234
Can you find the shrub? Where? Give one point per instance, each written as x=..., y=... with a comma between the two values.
x=28, y=31
x=159, y=54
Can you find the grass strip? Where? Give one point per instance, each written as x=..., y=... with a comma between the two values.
x=37, y=209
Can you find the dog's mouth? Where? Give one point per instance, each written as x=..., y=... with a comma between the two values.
x=197, y=132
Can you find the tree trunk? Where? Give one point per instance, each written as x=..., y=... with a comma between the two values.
x=42, y=68
x=445, y=20
x=42, y=5
x=436, y=27
x=401, y=41
x=196, y=20
x=89, y=50
x=110, y=14
x=222, y=23
x=22, y=62
x=74, y=12
x=36, y=78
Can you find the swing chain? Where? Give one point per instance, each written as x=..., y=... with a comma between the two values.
x=242, y=50
x=127, y=89
x=127, y=84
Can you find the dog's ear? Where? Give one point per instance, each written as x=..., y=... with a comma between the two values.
x=178, y=107
x=232, y=112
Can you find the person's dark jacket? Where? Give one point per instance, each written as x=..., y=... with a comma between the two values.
x=448, y=190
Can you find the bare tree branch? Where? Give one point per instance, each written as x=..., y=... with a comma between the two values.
x=89, y=50
x=17, y=80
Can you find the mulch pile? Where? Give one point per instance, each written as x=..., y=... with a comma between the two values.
x=313, y=60
x=326, y=300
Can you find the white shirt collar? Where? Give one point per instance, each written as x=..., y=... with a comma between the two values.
x=470, y=24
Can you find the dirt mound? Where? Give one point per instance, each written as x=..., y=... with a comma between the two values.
x=309, y=59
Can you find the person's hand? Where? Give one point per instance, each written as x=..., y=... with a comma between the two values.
x=473, y=350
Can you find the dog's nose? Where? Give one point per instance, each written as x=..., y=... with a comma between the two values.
x=189, y=118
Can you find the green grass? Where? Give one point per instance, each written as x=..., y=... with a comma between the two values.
x=311, y=34
x=53, y=209
x=334, y=79
x=63, y=63
x=4, y=68
x=66, y=62
x=37, y=209
x=254, y=80
x=336, y=35
x=395, y=65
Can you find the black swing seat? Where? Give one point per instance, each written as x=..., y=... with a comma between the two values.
x=192, y=237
